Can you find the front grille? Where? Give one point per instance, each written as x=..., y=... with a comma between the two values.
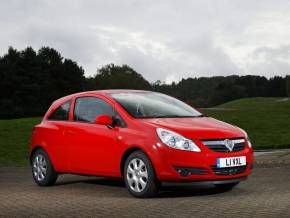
x=229, y=170
x=226, y=145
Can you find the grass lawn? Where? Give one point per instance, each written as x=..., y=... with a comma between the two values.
x=14, y=140
x=266, y=120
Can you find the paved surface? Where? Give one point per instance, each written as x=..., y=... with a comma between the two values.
x=273, y=158
x=272, y=152
x=265, y=194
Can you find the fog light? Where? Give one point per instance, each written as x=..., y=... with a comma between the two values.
x=188, y=171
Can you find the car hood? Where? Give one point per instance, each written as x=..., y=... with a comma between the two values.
x=197, y=127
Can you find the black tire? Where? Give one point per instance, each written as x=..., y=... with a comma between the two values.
x=152, y=186
x=50, y=176
x=227, y=186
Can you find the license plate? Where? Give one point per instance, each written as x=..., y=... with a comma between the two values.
x=231, y=162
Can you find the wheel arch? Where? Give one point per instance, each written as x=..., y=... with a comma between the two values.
x=126, y=154
x=129, y=151
x=35, y=148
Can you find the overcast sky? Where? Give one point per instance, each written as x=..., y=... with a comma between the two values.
x=165, y=40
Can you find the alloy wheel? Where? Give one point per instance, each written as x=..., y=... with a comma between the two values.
x=39, y=167
x=137, y=175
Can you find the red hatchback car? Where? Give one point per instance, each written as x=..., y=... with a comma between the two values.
x=144, y=137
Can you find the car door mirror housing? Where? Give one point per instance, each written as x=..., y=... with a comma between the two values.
x=104, y=120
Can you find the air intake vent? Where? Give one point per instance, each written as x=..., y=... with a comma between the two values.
x=229, y=170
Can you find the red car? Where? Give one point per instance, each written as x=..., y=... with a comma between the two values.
x=144, y=137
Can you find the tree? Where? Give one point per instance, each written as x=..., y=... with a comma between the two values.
x=31, y=81
x=118, y=77
x=288, y=85
x=210, y=91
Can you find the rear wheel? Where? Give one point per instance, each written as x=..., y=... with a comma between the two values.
x=139, y=176
x=42, y=169
x=227, y=186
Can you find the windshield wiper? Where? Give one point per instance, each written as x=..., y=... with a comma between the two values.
x=202, y=115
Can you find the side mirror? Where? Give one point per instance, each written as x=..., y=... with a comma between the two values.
x=104, y=120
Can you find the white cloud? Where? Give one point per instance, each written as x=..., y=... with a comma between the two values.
x=164, y=40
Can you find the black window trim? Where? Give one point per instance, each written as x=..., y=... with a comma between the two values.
x=70, y=106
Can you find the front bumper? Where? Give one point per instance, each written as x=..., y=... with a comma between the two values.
x=202, y=165
x=210, y=182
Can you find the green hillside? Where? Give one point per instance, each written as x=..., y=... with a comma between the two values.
x=14, y=140
x=267, y=120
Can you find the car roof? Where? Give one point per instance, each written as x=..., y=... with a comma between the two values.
x=100, y=92
x=116, y=91
x=110, y=91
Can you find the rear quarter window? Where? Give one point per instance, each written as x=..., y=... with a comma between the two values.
x=61, y=113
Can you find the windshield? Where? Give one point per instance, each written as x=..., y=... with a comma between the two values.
x=154, y=105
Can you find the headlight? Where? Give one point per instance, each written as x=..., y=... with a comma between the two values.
x=247, y=137
x=174, y=140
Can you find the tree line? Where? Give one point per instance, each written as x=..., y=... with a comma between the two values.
x=211, y=91
x=31, y=80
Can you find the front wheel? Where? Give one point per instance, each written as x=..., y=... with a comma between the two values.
x=42, y=169
x=139, y=176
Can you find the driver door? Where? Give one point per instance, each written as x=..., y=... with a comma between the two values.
x=92, y=147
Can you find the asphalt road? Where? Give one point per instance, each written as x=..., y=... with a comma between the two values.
x=265, y=194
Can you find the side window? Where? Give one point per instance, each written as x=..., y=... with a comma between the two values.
x=61, y=113
x=87, y=108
